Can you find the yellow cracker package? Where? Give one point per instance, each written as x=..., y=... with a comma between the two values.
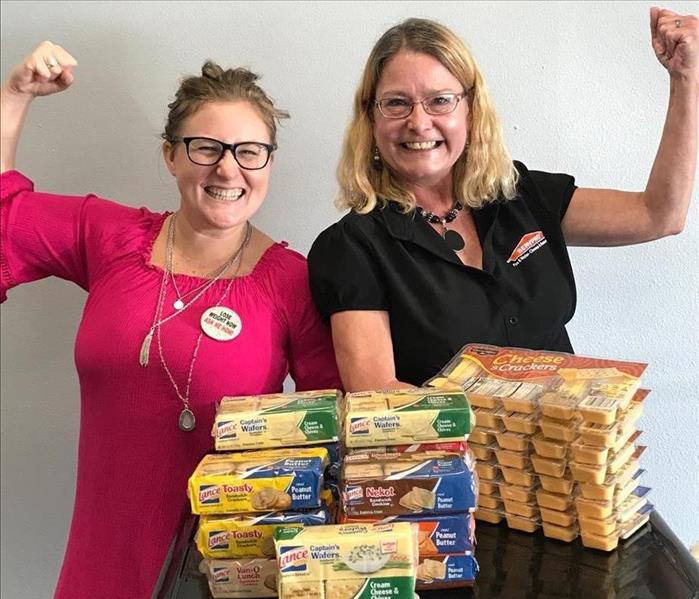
x=250, y=535
x=277, y=420
x=348, y=561
x=523, y=379
x=240, y=579
x=258, y=481
x=380, y=418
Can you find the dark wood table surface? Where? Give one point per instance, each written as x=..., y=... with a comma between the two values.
x=652, y=564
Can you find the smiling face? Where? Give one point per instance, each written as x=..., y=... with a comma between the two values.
x=420, y=149
x=223, y=196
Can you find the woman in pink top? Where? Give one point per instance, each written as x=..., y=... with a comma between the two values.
x=182, y=309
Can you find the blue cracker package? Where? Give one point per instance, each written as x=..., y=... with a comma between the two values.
x=446, y=571
x=404, y=484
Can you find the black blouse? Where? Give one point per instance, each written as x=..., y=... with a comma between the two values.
x=386, y=260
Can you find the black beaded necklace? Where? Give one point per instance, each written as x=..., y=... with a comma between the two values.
x=452, y=238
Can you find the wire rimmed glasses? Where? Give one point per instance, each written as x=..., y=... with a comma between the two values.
x=398, y=107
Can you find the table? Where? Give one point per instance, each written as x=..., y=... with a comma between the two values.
x=653, y=564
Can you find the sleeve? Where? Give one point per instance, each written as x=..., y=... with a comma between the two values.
x=555, y=190
x=344, y=274
x=311, y=356
x=40, y=235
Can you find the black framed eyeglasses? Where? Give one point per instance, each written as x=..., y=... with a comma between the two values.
x=399, y=108
x=206, y=151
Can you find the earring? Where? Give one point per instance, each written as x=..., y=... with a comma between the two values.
x=376, y=158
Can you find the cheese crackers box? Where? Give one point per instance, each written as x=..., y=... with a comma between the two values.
x=375, y=484
x=239, y=579
x=347, y=561
x=258, y=481
x=250, y=535
x=377, y=418
x=562, y=385
x=277, y=420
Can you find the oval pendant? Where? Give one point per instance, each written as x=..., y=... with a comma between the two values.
x=187, y=420
x=221, y=323
x=454, y=241
x=178, y=304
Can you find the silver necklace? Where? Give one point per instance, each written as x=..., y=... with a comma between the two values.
x=187, y=420
x=179, y=303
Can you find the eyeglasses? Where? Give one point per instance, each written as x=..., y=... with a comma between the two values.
x=204, y=151
x=399, y=108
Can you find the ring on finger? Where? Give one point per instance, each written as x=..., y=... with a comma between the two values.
x=678, y=23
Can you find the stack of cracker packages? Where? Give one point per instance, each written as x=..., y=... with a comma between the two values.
x=408, y=462
x=555, y=441
x=277, y=455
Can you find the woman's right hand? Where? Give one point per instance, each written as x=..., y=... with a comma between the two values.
x=47, y=70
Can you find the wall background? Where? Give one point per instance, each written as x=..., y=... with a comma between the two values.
x=578, y=89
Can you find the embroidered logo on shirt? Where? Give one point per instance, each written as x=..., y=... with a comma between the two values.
x=526, y=247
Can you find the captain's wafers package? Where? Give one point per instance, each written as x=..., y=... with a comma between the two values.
x=276, y=420
x=347, y=561
x=258, y=481
x=405, y=417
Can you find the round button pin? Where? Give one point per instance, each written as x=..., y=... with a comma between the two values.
x=221, y=323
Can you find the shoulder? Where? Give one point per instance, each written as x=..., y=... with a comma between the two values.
x=351, y=228
x=281, y=269
x=547, y=190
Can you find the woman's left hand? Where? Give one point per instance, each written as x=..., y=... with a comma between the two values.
x=675, y=40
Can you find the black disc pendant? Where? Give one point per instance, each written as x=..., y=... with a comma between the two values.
x=454, y=241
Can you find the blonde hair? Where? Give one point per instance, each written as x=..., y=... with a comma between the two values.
x=482, y=174
x=218, y=85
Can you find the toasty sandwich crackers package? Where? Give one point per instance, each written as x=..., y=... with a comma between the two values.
x=258, y=481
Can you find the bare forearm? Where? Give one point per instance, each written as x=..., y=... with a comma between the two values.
x=363, y=379
x=669, y=189
x=13, y=111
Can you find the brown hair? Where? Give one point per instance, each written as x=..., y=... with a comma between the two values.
x=218, y=85
x=482, y=174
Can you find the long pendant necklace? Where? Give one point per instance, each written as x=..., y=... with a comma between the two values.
x=453, y=239
x=187, y=420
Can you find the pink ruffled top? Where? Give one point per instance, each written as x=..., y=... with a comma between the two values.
x=133, y=460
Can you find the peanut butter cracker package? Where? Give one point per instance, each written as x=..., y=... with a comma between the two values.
x=258, y=481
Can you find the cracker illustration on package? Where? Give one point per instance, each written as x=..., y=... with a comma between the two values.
x=563, y=385
x=375, y=418
x=276, y=420
x=446, y=571
x=250, y=535
x=347, y=561
x=375, y=484
x=437, y=535
x=258, y=481
x=240, y=579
